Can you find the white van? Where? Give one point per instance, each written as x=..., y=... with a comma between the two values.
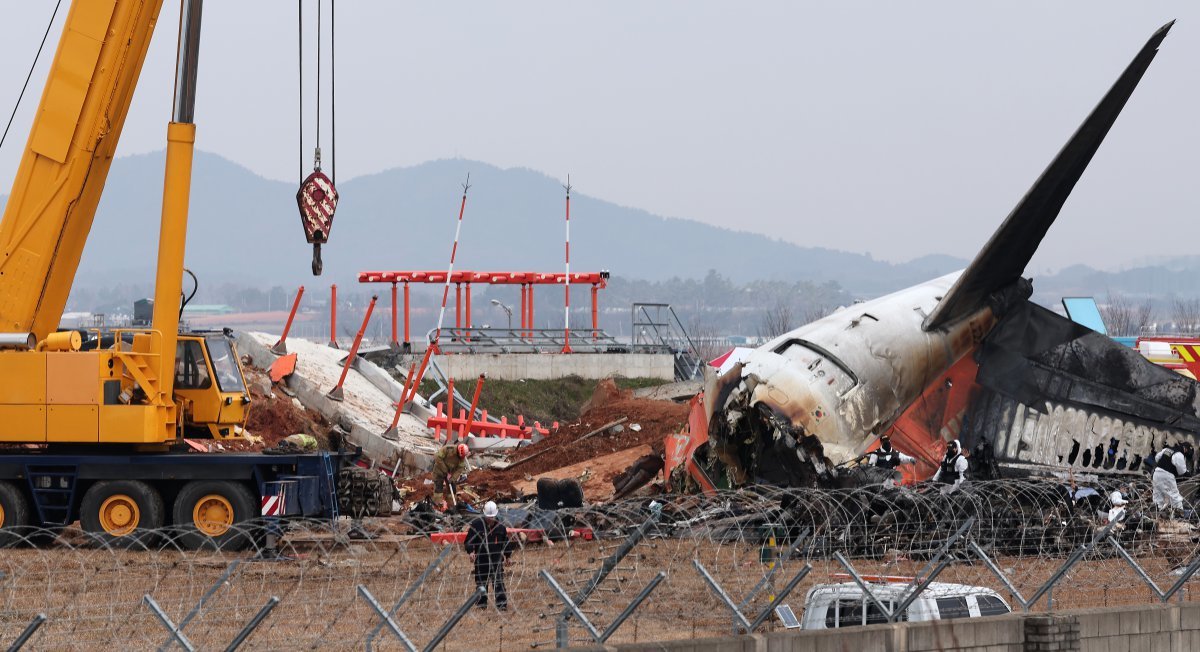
x=827, y=606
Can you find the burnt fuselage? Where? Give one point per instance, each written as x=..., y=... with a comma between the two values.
x=817, y=395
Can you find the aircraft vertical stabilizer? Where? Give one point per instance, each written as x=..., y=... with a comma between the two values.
x=1003, y=259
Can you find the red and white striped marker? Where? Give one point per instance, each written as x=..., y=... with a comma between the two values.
x=567, y=278
x=272, y=506
x=437, y=333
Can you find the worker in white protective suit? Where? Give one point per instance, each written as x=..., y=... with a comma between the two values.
x=1169, y=465
x=1117, y=502
x=953, y=471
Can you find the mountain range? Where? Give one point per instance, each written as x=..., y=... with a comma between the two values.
x=245, y=229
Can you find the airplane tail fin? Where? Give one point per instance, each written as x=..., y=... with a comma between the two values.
x=1003, y=259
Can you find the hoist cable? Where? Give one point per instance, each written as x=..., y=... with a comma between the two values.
x=300, y=76
x=28, y=76
x=318, y=75
x=332, y=92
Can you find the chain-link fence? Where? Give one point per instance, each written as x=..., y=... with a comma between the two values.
x=630, y=571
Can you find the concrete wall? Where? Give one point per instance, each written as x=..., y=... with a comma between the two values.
x=1169, y=628
x=1149, y=628
x=549, y=366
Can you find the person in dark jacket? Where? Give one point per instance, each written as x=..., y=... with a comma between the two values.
x=490, y=548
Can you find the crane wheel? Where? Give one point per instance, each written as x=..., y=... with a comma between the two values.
x=208, y=514
x=120, y=513
x=14, y=515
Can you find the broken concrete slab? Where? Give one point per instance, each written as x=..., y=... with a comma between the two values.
x=364, y=415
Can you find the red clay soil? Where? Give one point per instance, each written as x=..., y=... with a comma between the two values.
x=274, y=416
x=656, y=418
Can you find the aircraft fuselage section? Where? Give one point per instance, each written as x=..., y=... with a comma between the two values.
x=844, y=377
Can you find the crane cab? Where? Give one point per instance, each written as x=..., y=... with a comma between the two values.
x=210, y=386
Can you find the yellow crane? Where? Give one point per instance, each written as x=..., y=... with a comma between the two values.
x=106, y=418
x=153, y=381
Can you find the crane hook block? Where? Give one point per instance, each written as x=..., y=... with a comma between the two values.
x=317, y=199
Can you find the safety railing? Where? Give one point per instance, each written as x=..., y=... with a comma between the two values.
x=525, y=340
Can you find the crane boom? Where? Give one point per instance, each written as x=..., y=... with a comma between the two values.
x=67, y=158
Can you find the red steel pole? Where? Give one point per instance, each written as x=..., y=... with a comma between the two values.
x=457, y=306
x=391, y=433
x=394, y=344
x=595, y=312
x=333, y=316
x=407, y=339
x=280, y=347
x=411, y=385
x=524, y=317
x=567, y=278
x=468, y=317
x=450, y=407
x=336, y=393
x=466, y=427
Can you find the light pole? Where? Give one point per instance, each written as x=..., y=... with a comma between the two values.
x=506, y=309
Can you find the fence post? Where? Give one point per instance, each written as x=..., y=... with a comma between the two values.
x=203, y=599
x=472, y=600
x=166, y=621
x=561, y=634
x=28, y=632
x=387, y=620
x=408, y=593
x=253, y=624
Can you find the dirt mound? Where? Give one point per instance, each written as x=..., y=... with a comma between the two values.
x=655, y=420
x=274, y=415
x=606, y=393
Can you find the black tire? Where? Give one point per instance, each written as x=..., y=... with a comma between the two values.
x=364, y=492
x=547, y=493
x=556, y=494
x=149, y=514
x=14, y=515
x=231, y=494
x=570, y=493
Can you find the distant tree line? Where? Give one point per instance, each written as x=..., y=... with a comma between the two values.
x=714, y=307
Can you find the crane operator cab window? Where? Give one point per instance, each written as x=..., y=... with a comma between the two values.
x=229, y=377
x=191, y=369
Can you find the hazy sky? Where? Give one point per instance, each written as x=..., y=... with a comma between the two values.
x=894, y=128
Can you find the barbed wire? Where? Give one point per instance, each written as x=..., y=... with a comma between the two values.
x=93, y=590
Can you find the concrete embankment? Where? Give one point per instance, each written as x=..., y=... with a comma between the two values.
x=367, y=410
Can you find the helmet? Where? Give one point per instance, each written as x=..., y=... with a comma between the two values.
x=463, y=451
x=490, y=510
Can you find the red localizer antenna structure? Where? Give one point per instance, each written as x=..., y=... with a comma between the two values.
x=567, y=277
